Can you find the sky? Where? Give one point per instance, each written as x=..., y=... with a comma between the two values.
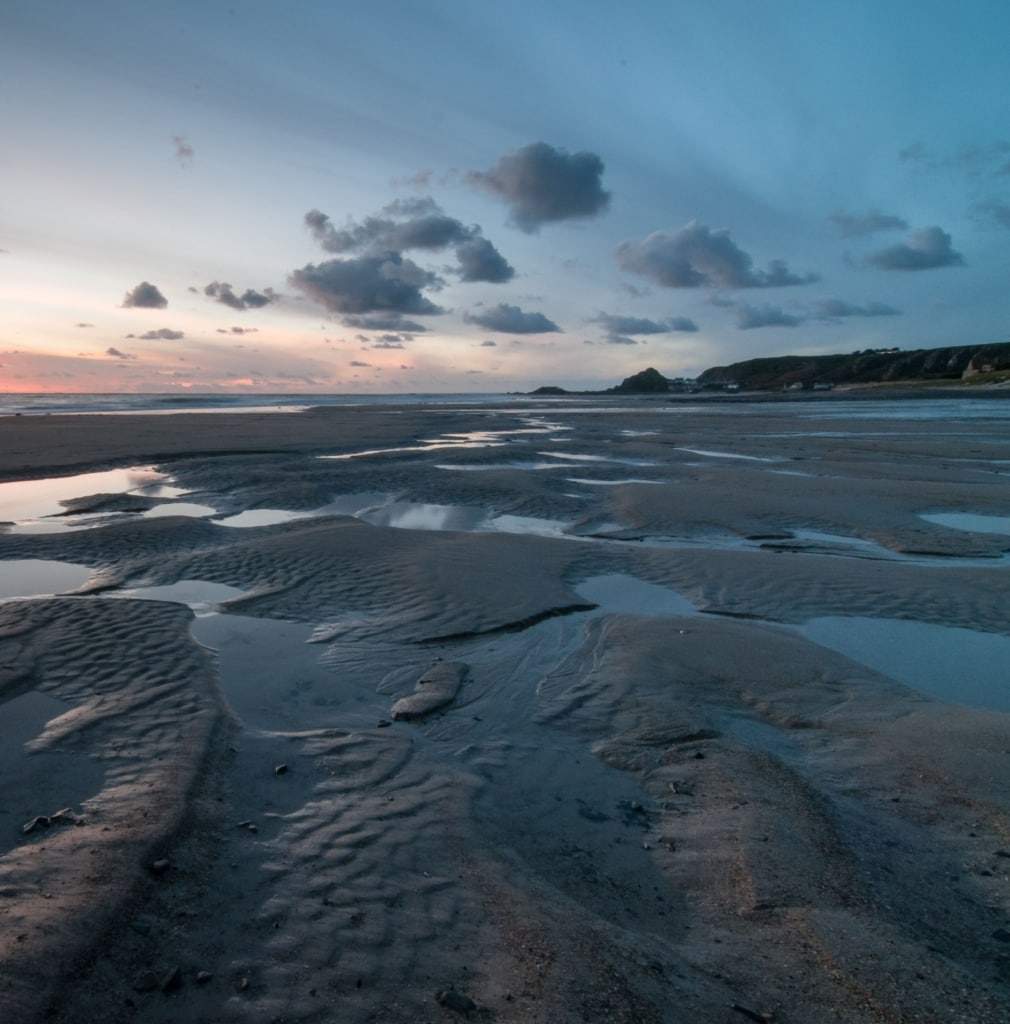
x=459, y=196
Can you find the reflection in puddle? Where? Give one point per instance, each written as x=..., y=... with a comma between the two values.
x=946, y=662
x=502, y=465
x=970, y=522
x=418, y=516
x=179, y=508
x=36, y=577
x=611, y=483
x=597, y=458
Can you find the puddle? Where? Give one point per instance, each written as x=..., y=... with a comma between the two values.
x=418, y=516
x=945, y=662
x=729, y=455
x=597, y=458
x=179, y=508
x=502, y=465
x=263, y=517
x=616, y=592
x=611, y=483
x=33, y=499
x=30, y=778
x=36, y=577
x=970, y=522
x=199, y=595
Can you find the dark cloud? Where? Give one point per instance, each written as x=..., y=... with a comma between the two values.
x=145, y=296
x=856, y=225
x=410, y=224
x=837, y=309
x=479, y=260
x=541, y=184
x=619, y=339
x=748, y=317
x=183, y=150
x=237, y=330
x=222, y=292
x=696, y=257
x=162, y=334
x=489, y=344
x=368, y=284
x=512, y=320
x=616, y=324
x=924, y=249
x=380, y=322
x=116, y=354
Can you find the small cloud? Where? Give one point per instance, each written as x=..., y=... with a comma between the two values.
x=237, y=330
x=183, y=150
x=479, y=260
x=383, y=322
x=511, y=320
x=853, y=225
x=616, y=324
x=420, y=181
x=144, y=296
x=116, y=354
x=837, y=309
x=359, y=363
x=84, y=325
x=162, y=334
x=993, y=213
x=698, y=257
x=924, y=249
x=619, y=339
x=488, y=343
x=749, y=318
x=222, y=292
x=541, y=184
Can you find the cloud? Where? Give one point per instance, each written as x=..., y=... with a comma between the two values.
x=541, y=184
x=383, y=322
x=358, y=362
x=512, y=320
x=696, y=257
x=84, y=325
x=993, y=213
x=854, y=225
x=116, y=354
x=388, y=341
x=619, y=339
x=222, y=292
x=368, y=284
x=616, y=324
x=144, y=296
x=924, y=249
x=162, y=334
x=237, y=330
x=749, y=318
x=479, y=260
x=837, y=309
x=488, y=343
x=410, y=224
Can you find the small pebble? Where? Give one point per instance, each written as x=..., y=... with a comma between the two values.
x=281, y=769
x=159, y=867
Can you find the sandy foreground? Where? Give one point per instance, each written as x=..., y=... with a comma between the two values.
x=629, y=788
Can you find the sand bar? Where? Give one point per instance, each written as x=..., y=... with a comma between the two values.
x=649, y=796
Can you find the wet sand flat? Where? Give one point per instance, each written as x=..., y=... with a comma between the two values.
x=641, y=791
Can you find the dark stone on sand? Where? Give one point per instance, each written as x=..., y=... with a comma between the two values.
x=203, y=977
x=145, y=981
x=159, y=867
x=172, y=979
x=1001, y=935
x=281, y=769
x=455, y=1001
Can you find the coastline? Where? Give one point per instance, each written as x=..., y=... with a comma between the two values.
x=651, y=797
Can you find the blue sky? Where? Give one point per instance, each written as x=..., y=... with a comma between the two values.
x=459, y=196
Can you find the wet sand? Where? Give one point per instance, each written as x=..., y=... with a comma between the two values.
x=639, y=794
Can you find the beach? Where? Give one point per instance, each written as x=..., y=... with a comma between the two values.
x=539, y=711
